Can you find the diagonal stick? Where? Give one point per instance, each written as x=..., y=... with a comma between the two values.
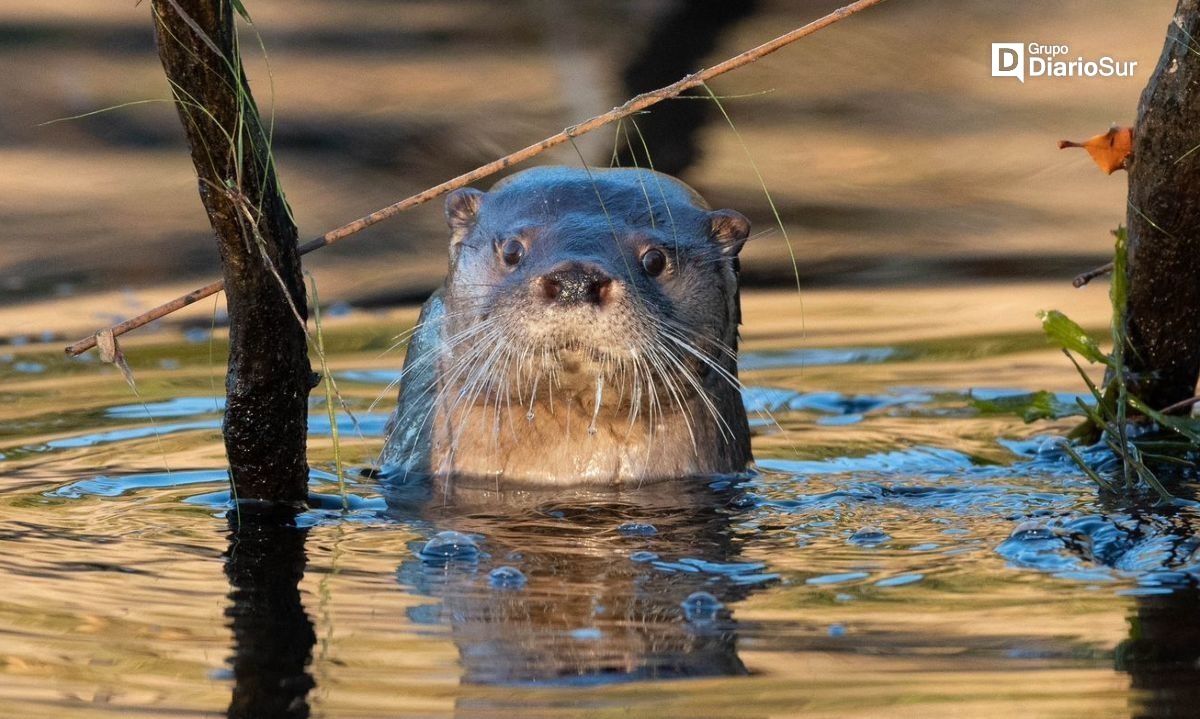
x=631, y=106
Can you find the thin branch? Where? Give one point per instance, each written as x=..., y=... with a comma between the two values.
x=1086, y=277
x=634, y=105
x=1182, y=404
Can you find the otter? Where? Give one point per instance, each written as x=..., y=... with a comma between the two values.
x=586, y=333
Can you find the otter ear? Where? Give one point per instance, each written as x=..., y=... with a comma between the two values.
x=461, y=207
x=729, y=229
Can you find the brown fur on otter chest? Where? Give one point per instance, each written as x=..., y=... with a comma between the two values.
x=586, y=333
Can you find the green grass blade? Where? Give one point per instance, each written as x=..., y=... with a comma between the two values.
x=1064, y=332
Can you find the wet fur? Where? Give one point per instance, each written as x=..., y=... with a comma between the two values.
x=500, y=383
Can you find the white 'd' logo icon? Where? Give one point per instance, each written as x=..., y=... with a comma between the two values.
x=1008, y=60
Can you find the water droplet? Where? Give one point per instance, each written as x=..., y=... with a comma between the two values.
x=643, y=556
x=450, y=546
x=701, y=608
x=507, y=578
x=637, y=529
x=869, y=537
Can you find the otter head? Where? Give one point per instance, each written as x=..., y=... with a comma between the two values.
x=614, y=286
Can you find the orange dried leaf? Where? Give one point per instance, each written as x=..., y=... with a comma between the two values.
x=1109, y=151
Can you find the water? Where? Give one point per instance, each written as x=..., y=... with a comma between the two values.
x=910, y=547
x=926, y=554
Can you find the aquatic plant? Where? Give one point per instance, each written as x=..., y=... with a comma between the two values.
x=1117, y=418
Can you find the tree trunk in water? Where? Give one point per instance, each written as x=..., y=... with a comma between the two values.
x=269, y=375
x=1163, y=311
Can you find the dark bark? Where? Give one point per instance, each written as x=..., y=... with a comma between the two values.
x=1163, y=311
x=269, y=375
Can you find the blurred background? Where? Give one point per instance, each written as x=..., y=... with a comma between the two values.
x=893, y=156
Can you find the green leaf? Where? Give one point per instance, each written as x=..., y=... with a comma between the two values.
x=1064, y=332
x=1184, y=426
x=241, y=10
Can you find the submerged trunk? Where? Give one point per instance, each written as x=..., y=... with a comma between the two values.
x=1163, y=310
x=269, y=375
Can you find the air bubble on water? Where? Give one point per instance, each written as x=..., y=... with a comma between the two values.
x=507, y=578
x=701, y=608
x=450, y=546
x=1031, y=530
x=869, y=537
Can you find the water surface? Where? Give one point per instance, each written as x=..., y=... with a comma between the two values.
x=908, y=547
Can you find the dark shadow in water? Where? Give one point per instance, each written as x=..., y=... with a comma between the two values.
x=597, y=608
x=273, y=637
x=677, y=45
x=1161, y=544
x=1162, y=655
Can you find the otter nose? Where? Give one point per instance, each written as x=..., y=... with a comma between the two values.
x=575, y=284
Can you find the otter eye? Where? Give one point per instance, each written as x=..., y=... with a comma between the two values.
x=654, y=262
x=511, y=251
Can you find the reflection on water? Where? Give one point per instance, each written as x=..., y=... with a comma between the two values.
x=907, y=541
x=910, y=547
x=614, y=587
x=273, y=636
x=1162, y=654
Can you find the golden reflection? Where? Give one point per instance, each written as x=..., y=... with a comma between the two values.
x=619, y=586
